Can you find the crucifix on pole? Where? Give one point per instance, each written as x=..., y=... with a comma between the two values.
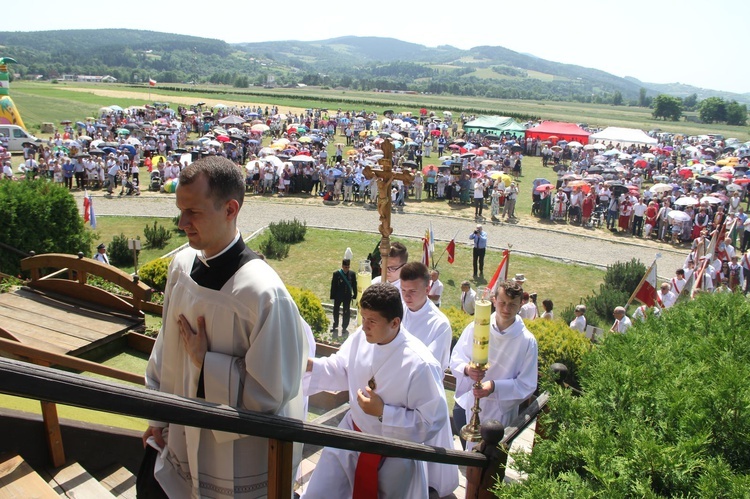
x=384, y=176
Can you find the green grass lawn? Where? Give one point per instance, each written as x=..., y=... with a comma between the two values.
x=310, y=265
x=39, y=102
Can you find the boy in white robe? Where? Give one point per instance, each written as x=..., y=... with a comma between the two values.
x=423, y=319
x=231, y=334
x=395, y=390
x=511, y=376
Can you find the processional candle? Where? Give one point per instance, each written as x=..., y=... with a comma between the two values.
x=481, y=345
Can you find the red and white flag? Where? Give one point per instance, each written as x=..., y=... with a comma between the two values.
x=501, y=274
x=646, y=290
x=151, y=83
x=88, y=210
x=451, y=249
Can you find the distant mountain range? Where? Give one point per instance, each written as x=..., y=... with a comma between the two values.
x=351, y=62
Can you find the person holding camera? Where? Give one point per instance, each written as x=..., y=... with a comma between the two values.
x=480, y=247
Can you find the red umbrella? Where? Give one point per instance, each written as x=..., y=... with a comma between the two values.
x=222, y=138
x=553, y=138
x=742, y=181
x=477, y=174
x=427, y=168
x=454, y=146
x=641, y=163
x=544, y=187
x=435, y=133
x=423, y=111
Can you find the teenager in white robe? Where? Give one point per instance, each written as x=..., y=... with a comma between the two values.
x=423, y=319
x=511, y=376
x=407, y=403
x=236, y=339
x=397, y=258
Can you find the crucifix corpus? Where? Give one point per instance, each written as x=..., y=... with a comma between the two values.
x=385, y=175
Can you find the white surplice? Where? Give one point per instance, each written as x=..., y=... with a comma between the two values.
x=513, y=360
x=432, y=327
x=256, y=355
x=410, y=382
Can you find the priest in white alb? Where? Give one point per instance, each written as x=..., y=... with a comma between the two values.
x=231, y=334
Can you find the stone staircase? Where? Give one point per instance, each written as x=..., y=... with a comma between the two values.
x=19, y=480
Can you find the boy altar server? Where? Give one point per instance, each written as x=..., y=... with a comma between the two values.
x=423, y=319
x=512, y=372
x=395, y=390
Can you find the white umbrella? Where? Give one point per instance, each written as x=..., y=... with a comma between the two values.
x=303, y=158
x=710, y=200
x=661, y=188
x=575, y=144
x=686, y=201
x=734, y=187
x=678, y=216
x=648, y=156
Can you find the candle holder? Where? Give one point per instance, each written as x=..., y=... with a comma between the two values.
x=471, y=432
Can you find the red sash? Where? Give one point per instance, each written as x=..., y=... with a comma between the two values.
x=366, y=474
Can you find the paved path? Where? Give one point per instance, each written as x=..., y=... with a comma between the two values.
x=556, y=244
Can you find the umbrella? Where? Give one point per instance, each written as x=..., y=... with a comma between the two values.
x=128, y=148
x=302, y=158
x=409, y=164
x=661, y=188
x=619, y=189
x=707, y=180
x=488, y=162
x=544, y=188
x=686, y=201
x=710, y=200
x=734, y=188
x=97, y=152
x=575, y=143
x=556, y=148
x=115, y=108
x=223, y=138
x=260, y=127
x=123, y=131
x=678, y=216
x=232, y=120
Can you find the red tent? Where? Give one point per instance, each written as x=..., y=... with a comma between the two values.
x=563, y=131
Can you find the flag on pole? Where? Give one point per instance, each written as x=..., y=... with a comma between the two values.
x=451, y=249
x=151, y=83
x=86, y=207
x=646, y=290
x=432, y=242
x=92, y=215
x=698, y=275
x=501, y=274
x=426, y=250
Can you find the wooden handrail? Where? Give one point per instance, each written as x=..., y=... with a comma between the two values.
x=24, y=380
x=75, y=286
x=49, y=358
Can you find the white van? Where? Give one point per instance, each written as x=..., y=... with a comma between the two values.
x=13, y=137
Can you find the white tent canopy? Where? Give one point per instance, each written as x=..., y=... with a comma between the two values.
x=625, y=136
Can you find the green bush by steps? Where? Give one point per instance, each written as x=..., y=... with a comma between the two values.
x=154, y=273
x=310, y=308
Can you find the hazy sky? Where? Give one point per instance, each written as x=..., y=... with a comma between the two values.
x=701, y=43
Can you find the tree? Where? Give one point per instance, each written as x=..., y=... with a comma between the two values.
x=667, y=107
x=617, y=98
x=690, y=102
x=712, y=110
x=642, y=100
x=736, y=113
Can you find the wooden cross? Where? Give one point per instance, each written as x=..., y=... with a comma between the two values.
x=384, y=176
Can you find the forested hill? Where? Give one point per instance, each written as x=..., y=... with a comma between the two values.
x=362, y=63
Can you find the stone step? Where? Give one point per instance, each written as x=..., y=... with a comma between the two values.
x=18, y=479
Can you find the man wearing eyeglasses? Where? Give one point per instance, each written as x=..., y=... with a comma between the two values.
x=397, y=258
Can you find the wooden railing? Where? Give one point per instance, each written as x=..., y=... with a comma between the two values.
x=42, y=383
x=75, y=285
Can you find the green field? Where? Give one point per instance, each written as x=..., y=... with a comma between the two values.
x=39, y=102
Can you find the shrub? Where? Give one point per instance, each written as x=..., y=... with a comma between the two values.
x=154, y=273
x=599, y=307
x=310, y=308
x=459, y=320
x=624, y=276
x=8, y=284
x=118, y=251
x=273, y=248
x=176, y=222
x=100, y=282
x=288, y=231
x=559, y=343
x=157, y=236
x=39, y=216
x=663, y=413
